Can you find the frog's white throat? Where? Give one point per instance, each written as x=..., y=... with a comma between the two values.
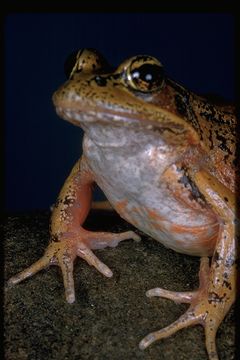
x=108, y=129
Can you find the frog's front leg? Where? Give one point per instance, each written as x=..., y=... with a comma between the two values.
x=211, y=302
x=68, y=238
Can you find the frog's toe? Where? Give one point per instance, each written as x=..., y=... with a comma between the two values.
x=66, y=264
x=185, y=296
x=193, y=316
x=42, y=263
x=86, y=253
x=63, y=254
x=178, y=297
x=50, y=257
x=203, y=310
x=100, y=240
x=187, y=319
x=69, y=246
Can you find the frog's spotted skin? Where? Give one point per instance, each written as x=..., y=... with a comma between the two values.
x=165, y=158
x=216, y=127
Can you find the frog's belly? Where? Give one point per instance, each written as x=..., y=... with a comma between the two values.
x=135, y=190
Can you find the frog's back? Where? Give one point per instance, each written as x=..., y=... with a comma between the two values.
x=215, y=123
x=217, y=130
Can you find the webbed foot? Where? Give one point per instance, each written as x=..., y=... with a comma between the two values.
x=205, y=308
x=66, y=247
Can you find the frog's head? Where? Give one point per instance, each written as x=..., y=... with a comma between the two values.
x=136, y=93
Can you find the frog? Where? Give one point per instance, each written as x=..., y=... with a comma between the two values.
x=165, y=159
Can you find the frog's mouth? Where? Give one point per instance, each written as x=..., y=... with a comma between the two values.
x=81, y=111
x=83, y=117
x=76, y=117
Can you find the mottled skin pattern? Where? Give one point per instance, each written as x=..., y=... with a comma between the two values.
x=165, y=158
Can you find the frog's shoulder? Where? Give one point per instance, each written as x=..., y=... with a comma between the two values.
x=214, y=123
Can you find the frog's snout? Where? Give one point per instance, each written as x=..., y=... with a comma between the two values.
x=65, y=94
x=59, y=96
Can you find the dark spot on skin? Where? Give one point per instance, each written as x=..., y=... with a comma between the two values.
x=225, y=275
x=54, y=238
x=226, y=199
x=57, y=203
x=180, y=105
x=68, y=201
x=215, y=298
x=143, y=58
x=100, y=81
x=209, y=113
x=78, y=70
x=223, y=143
x=210, y=138
x=217, y=258
x=227, y=284
x=184, y=180
x=184, y=107
x=229, y=261
x=191, y=186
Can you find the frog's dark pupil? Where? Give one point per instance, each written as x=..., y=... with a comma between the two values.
x=70, y=62
x=150, y=73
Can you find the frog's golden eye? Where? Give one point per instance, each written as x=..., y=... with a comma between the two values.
x=145, y=74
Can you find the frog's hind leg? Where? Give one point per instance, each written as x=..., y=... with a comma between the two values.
x=189, y=318
x=196, y=314
x=185, y=296
x=217, y=291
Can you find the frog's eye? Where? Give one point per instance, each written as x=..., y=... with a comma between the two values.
x=145, y=74
x=85, y=60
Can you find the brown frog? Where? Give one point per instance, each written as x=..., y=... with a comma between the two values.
x=165, y=159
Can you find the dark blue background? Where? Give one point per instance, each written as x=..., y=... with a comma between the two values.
x=196, y=49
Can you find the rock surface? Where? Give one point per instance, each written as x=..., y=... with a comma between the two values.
x=110, y=315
